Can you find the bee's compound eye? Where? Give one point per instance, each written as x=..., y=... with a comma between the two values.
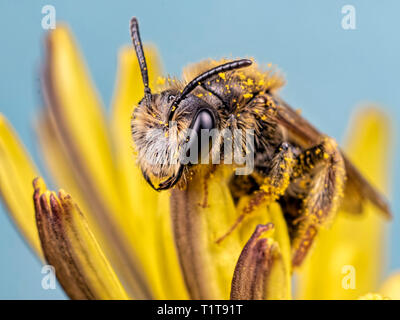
x=199, y=143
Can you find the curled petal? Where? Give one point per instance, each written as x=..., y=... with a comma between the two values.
x=260, y=272
x=16, y=174
x=70, y=247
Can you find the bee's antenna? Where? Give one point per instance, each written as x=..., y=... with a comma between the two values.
x=237, y=64
x=137, y=43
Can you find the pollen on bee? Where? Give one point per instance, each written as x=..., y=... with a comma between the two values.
x=160, y=80
x=200, y=95
x=261, y=82
x=241, y=75
x=222, y=75
x=247, y=95
x=249, y=82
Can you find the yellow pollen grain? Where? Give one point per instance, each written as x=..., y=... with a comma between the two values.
x=249, y=82
x=247, y=95
x=222, y=75
x=200, y=95
x=160, y=80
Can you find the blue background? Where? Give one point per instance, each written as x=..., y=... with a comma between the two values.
x=329, y=70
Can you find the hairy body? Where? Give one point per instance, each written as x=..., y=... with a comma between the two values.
x=294, y=164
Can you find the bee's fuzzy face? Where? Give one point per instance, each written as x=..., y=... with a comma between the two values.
x=158, y=145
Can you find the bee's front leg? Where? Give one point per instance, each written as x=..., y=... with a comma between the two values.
x=323, y=167
x=272, y=184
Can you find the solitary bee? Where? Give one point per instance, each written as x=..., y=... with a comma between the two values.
x=294, y=163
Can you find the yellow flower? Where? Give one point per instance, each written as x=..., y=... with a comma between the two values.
x=113, y=237
x=119, y=242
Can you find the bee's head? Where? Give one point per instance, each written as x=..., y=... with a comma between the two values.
x=162, y=145
x=167, y=125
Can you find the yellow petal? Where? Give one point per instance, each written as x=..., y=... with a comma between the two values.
x=391, y=287
x=260, y=272
x=16, y=174
x=56, y=158
x=77, y=119
x=200, y=215
x=147, y=221
x=347, y=260
x=273, y=214
x=70, y=247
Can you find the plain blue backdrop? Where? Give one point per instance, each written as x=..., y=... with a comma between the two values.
x=329, y=70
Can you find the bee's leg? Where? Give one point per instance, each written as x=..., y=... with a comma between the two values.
x=272, y=185
x=323, y=166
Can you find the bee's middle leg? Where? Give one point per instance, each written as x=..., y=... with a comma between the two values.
x=323, y=166
x=272, y=184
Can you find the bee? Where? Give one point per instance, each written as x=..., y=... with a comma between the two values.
x=294, y=163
